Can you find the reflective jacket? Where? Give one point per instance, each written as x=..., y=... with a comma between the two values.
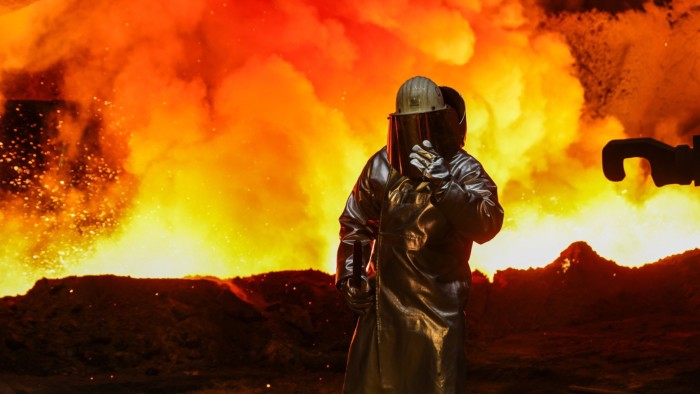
x=412, y=341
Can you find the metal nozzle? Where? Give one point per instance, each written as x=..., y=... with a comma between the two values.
x=669, y=165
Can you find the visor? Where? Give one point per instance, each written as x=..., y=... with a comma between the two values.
x=405, y=131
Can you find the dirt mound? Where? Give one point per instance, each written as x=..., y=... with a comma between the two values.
x=581, y=287
x=108, y=323
x=580, y=319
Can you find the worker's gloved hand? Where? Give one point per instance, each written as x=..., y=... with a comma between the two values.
x=359, y=299
x=430, y=163
x=432, y=166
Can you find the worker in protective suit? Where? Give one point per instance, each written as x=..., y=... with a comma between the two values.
x=417, y=207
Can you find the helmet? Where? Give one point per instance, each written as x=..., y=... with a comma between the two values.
x=418, y=95
x=424, y=111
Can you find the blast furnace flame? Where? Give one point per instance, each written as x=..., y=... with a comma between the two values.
x=184, y=137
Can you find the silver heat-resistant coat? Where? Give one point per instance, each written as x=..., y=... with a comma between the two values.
x=412, y=341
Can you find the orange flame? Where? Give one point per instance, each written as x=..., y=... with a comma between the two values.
x=230, y=134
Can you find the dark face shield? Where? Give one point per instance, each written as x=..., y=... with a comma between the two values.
x=408, y=130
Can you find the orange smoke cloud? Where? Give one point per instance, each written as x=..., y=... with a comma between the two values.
x=230, y=134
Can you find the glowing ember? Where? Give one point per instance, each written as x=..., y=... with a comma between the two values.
x=214, y=138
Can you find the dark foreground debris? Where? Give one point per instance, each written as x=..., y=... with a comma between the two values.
x=581, y=323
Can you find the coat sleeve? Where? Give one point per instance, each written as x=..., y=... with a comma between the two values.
x=470, y=201
x=360, y=218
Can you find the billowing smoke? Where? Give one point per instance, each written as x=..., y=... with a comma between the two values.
x=201, y=137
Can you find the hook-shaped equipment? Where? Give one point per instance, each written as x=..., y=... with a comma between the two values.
x=669, y=165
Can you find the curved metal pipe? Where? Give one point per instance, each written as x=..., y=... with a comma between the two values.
x=669, y=165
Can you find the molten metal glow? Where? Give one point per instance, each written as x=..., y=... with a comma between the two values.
x=229, y=135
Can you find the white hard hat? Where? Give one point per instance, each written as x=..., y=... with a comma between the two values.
x=418, y=95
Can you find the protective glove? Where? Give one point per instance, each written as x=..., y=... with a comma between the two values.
x=432, y=166
x=359, y=299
